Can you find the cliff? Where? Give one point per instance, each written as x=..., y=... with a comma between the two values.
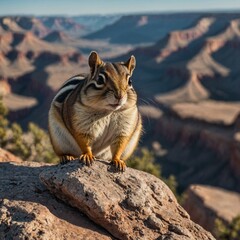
x=132, y=205
x=205, y=204
x=198, y=151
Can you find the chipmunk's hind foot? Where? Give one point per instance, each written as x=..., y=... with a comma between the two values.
x=66, y=158
x=87, y=159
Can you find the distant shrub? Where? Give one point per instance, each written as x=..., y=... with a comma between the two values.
x=18, y=144
x=145, y=162
x=3, y=123
x=33, y=145
x=41, y=146
x=224, y=231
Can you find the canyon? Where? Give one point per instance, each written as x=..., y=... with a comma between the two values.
x=187, y=79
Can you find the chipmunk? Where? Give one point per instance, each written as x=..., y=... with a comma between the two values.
x=95, y=115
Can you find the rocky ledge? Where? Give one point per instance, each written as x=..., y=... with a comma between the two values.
x=205, y=204
x=29, y=211
x=132, y=205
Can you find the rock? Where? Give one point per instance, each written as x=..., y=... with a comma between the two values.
x=29, y=211
x=205, y=204
x=130, y=205
x=6, y=156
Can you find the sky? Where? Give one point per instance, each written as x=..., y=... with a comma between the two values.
x=84, y=7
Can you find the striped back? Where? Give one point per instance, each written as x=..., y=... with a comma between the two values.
x=68, y=87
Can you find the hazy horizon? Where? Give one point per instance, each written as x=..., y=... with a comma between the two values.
x=124, y=13
x=107, y=7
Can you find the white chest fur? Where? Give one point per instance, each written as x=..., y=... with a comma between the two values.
x=104, y=128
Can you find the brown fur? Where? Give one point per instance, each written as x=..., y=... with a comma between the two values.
x=97, y=116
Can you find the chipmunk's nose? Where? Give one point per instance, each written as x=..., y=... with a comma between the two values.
x=118, y=96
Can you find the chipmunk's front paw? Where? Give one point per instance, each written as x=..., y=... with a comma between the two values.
x=87, y=159
x=66, y=158
x=120, y=165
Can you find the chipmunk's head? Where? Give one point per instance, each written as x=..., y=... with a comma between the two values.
x=109, y=85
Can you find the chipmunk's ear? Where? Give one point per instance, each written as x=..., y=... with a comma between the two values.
x=94, y=62
x=131, y=64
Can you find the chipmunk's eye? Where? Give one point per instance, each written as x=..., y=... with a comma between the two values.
x=130, y=82
x=101, y=79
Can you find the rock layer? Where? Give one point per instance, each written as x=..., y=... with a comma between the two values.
x=133, y=205
x=206, y=203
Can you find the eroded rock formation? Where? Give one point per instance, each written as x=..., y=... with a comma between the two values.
x=206, y=203
x=29, y=211
x=132, y=205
